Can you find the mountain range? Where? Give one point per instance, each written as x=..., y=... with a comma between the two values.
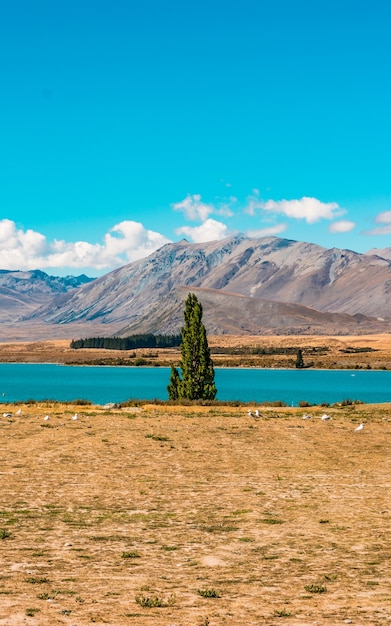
x=246, y=285
x=21, y=292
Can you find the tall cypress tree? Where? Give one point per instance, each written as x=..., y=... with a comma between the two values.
x=197, y=382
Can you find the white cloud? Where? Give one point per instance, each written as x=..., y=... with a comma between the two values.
x=267, y=232
x=310, y=209
x=135, y=241
x=383, y=218
x=210, y=230
x=125, y=242
x=380, y=230
x=194, y=209
x=343, y=226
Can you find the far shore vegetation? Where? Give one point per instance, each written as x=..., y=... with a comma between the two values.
x=128, y=343
x=149, y=350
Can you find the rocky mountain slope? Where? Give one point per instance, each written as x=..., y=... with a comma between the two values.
x=226, y=313
x=23, y=292
x=281, y=270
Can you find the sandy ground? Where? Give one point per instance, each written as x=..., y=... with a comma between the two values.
x=218, y=517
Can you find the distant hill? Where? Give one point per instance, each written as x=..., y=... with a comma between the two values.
x=385, y=253
x=245, y=285
x=22, y=292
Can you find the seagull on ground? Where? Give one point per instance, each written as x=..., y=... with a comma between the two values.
x=250, y=414
x=7, y=414
x=325, y=417
x=75, y=417
x=18, y=412
x=46, y=418
x=306, y=416
x=359, y=428
x=257, y=413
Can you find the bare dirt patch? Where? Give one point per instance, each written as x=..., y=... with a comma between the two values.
x=195, y=516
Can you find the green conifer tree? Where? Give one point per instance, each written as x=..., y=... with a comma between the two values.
x=173, y=387
x=197, y=382
x=299, y=359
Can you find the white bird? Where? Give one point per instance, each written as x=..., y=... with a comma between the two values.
x=257, y=413
x=75, y=417
x=325, y=417
x=18, y=412
x=46, y=418
x=359, y=428
x=7, y=414
x=306, y=416
x=250, y=414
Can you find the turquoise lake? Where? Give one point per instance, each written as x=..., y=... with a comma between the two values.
x=21, y=382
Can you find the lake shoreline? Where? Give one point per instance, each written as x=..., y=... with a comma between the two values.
x=112, y=384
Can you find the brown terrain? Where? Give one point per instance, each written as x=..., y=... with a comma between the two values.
x=265, y=286
x=364, y=351
x=195, y=516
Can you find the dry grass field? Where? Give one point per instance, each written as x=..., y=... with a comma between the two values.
x=171, y=516
x=362, y=351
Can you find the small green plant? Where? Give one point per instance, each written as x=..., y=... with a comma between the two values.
x=32, y=612
x=141, y=361
x=315, y=588
x=271, y=520
x=282, y=613
x=37, y=581
x=152, y=602
x=65, y=592
x=157, y=437
x=220, y=528
x=130, y=555
x=208, y=593
x=4, y=533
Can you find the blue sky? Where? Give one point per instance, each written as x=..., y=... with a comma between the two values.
x=126, y=125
